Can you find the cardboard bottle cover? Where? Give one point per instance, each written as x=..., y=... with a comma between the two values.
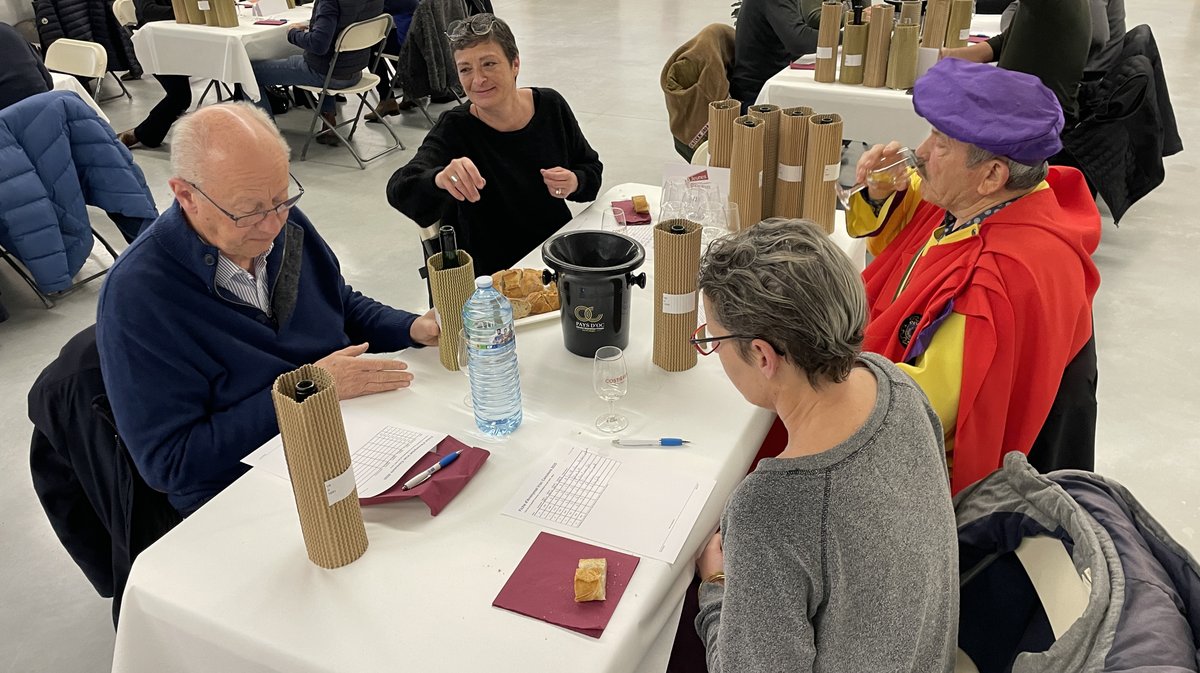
x=676, y=271
x=721, y=114
x=827, y=41
x=879, y=41
x=793, y=137
x=910, y=12
x=194, y=15
x=179, y=7
x=854, y=49
x=318, y=460
x=769, y=114
x=822, y=167
x=937, y=17
x=746, y=171
x=958, y=26
x=902, y=63
x=225, y=12
x=451, y=289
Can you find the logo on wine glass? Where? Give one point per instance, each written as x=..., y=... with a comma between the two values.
x=615, y=380
x=587, y=314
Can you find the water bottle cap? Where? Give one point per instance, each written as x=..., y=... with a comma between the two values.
x=482, y=282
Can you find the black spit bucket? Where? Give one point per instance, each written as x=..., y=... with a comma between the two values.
x=594, y=270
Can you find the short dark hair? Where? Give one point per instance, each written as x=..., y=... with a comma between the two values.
x=499, y=33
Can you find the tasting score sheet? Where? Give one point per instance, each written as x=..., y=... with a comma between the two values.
x=614, y=498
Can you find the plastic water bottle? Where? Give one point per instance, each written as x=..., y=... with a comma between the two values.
x=492, y=354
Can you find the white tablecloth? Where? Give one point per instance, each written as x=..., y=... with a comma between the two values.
x=69, y=83
x=871, y=115
x=211, y=52
x=232, y=590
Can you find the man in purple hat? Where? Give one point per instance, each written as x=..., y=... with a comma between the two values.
x=982, y=282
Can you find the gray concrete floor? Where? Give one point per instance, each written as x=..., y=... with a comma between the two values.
x=605, y=57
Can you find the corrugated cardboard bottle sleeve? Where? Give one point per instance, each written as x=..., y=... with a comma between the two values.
x=451, y=289
x=793, y=136
x=822, y=167
x=676, y=271
x=318, y=459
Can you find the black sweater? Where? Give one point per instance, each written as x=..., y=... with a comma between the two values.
x=770, y=35
x=23, y=74
x=515, y=212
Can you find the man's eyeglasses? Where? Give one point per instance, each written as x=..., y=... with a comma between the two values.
x=258, y=216
x=479, y=25
x=709, y=345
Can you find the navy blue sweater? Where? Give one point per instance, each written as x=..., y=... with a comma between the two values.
x=188, y=367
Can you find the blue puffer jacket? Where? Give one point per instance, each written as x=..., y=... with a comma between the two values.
x=57, y=157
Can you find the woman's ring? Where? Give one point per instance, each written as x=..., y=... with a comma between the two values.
x=558, y=192
x=454, y=179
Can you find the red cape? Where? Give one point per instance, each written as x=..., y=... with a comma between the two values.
x=1025, y=285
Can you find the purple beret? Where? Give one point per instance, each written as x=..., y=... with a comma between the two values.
x=1005, y=112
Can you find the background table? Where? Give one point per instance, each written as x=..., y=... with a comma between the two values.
x=212, y=52
x=871, y=115
x=232, y=590
x=69, y=83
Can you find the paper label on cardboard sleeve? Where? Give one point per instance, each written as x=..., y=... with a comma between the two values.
x=677, y=304
x=790, y=173
x=964, y=33
x=340, y=487
x=824, y=52
x=204, y=6
x=853, y=60
x=832, y=171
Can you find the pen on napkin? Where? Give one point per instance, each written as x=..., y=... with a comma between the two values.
x=665, y=441
x=427, y=473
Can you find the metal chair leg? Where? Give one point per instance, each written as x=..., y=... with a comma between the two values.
x=8, y=257
x=312, y=126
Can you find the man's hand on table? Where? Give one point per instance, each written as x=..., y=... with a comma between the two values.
x=356, y=376
x=712, y=560
x=461, y=179
x=876, y=157
x=298, y=26
x=561, y=182
x=425, y=330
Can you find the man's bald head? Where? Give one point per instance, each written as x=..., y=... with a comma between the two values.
x=214, y=138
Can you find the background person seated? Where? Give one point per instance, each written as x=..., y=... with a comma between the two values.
x=499, y=167
x=318, y=39
x=982, y=284
x=770, y=35
x=23, y=74
x=840, y=554
x=231, y=287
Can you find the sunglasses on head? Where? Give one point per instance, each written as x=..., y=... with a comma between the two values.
x=477, y=25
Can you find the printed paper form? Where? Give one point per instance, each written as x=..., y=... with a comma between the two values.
x=381, y=451
x=613, y=499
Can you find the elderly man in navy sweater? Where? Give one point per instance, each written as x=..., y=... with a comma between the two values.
x=229, y=288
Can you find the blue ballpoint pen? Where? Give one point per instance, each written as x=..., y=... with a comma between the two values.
x=426, y=474
x=665, y=441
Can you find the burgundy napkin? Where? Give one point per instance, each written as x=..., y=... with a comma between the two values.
x=631, y=215
x=543, y=585
x=440, y=489
x=976, y=39
x=803, y=66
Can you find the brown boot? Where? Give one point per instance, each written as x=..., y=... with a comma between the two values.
x=128, y=139
x=329, y=137
x=388, y=108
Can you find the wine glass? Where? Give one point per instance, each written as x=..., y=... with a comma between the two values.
x=890, y=174
x=464, y=365
x=698, y=197
x=673, y=190
x=671, y=210
x=612, y=219
x=719, y=220
x=611, y=381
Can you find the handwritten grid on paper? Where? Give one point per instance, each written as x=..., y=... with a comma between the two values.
x=577, y=490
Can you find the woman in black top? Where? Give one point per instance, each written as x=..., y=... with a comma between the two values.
x=499, y=167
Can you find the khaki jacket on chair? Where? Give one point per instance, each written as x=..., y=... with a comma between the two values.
x=695, y=75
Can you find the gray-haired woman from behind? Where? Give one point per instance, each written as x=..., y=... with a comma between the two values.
x=841, y=553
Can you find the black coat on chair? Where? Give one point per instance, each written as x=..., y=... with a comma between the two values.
x=91, y=20
x=97, y=503
x=1127, y=126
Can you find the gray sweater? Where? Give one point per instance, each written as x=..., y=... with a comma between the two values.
x=846, y=560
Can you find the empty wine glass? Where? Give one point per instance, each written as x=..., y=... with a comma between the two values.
x=673, y=190
x=464, y=365
x=698, y=197
x=612, y=219
x=611, y=381
x=671, y=210
x=892, y=172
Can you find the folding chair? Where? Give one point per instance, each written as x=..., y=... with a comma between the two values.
x=125, y=12
x=82, y=59
x=46, y=299
x=368, y=34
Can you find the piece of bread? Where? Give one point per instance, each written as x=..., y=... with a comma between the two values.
x=590, y=579
x=521, y=308
x=640, y=204
x=544, y=301
x=518, y=283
